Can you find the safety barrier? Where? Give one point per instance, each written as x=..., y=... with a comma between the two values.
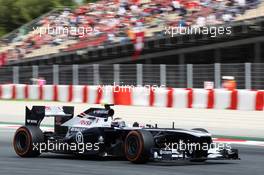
x=138, y=96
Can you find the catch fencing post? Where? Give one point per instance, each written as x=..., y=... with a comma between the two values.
x=217, y=75
x=96, y=74
x=15, y=75
x=75, y=74
x=116, y=74
x=163, y=75
x=35, y=72
x=189, y=75
x=55, y=74
x=248, y=75
x=139, y=74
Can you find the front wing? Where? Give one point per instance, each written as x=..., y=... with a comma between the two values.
x=213, y=154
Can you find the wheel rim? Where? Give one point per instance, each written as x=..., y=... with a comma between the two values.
x=21, y=141
x=133, y=146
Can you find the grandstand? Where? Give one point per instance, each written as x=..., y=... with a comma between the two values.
x=115, y=23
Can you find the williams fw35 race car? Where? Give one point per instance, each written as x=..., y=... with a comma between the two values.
x=95, y=132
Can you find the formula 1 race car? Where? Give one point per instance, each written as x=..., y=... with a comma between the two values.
x=96, y=132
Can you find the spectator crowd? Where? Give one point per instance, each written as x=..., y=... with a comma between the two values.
x=117, y=21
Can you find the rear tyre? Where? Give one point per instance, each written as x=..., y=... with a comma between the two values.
x=25, y=140
x=138, y=145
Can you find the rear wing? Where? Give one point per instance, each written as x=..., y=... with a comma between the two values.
x=35, y=115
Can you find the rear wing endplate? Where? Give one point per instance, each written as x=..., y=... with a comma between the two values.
x=35, y=115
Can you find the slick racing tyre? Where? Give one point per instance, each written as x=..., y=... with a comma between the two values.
x=24, y=140
x=138, y=145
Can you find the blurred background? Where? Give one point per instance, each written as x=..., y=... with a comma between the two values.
x=125, y=41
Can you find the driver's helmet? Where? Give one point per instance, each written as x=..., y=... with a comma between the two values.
x=118, y=123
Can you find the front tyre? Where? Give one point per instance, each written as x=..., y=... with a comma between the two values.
x=25, y=140
x=138, y=145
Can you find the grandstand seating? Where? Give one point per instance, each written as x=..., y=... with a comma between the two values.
x=113, y=22
x=252, y=13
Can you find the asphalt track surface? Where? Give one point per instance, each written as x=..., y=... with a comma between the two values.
x=252, y=162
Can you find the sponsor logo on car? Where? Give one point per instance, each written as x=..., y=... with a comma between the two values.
x=32, y=121
x=85, y=122
x=100, y=112
x=79, y=137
